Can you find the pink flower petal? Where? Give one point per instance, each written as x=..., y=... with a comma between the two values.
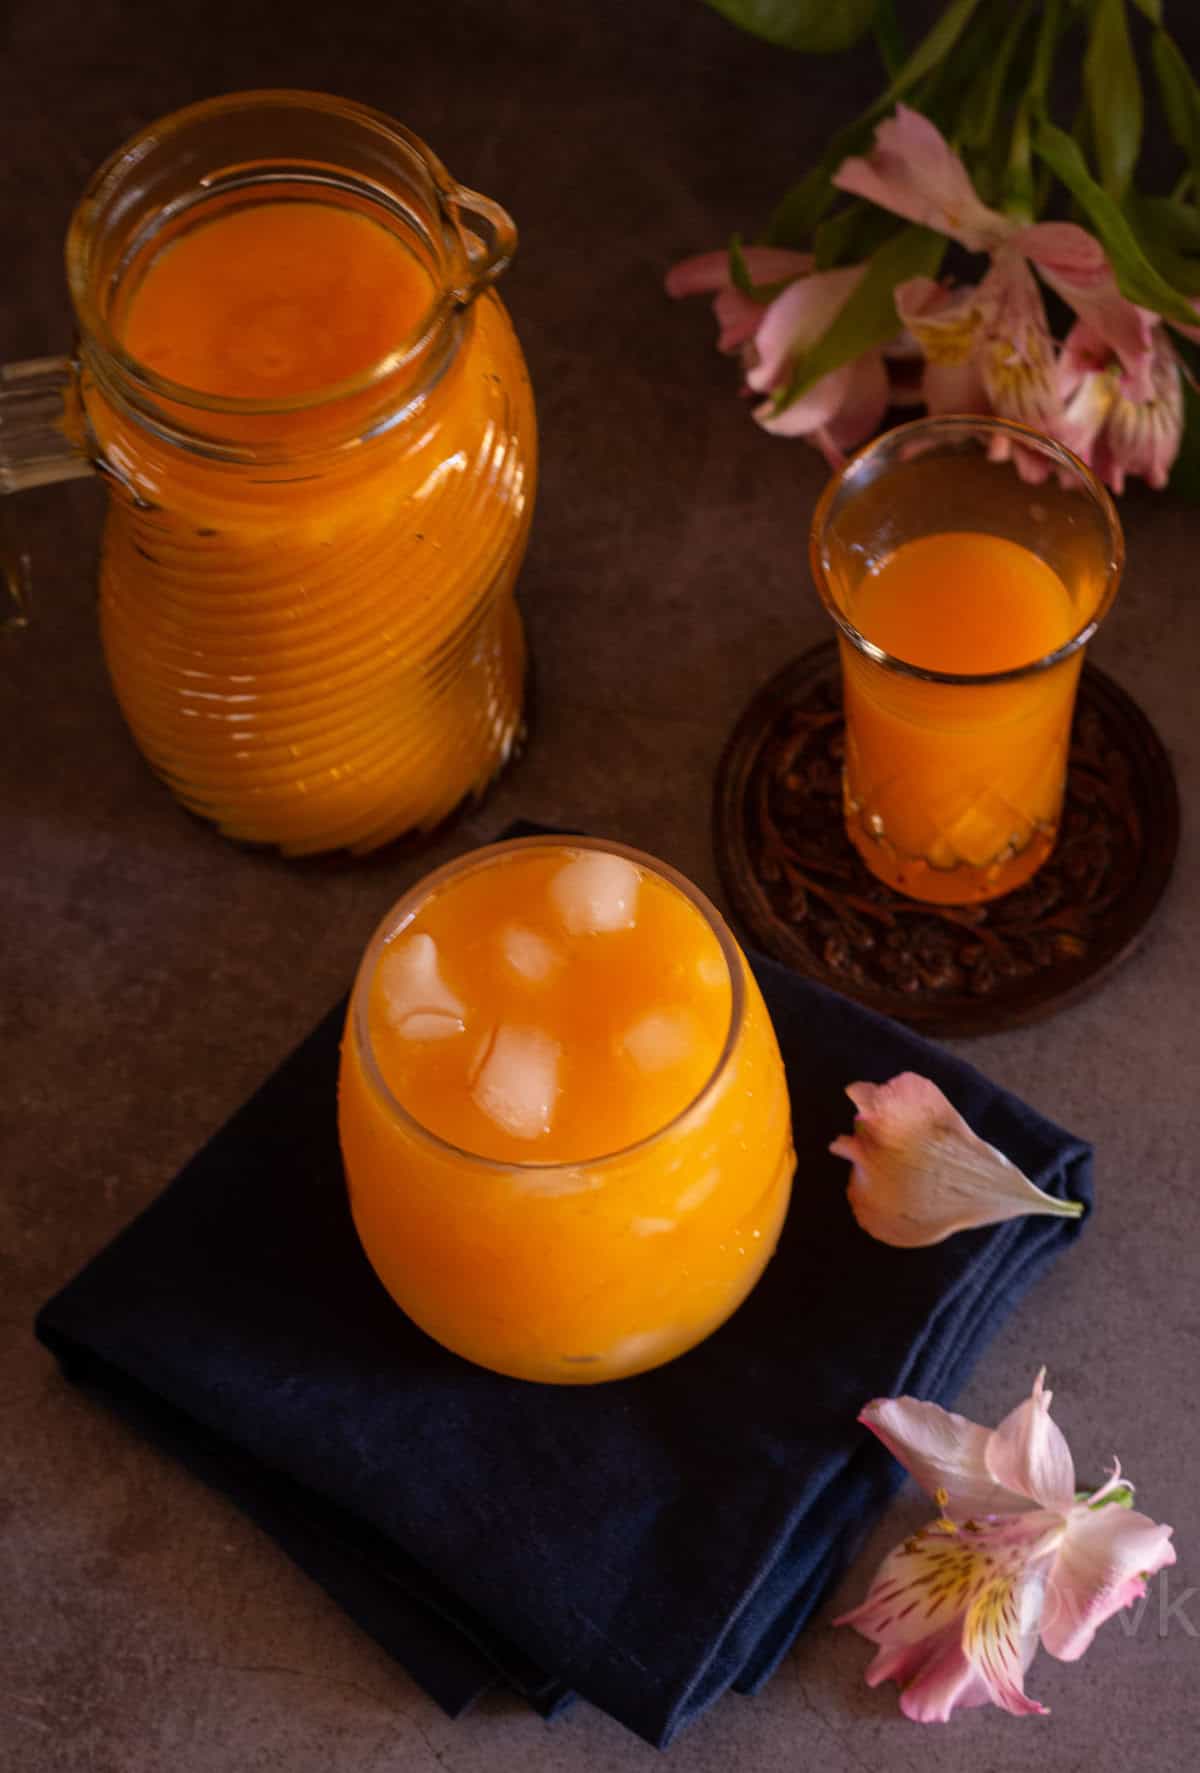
x=811, y=412
x=1097, y=1572
x=955, y=1614
x=772, y=264
x=705, y=272
x=942, y=1451
x=796, y=319
x=954, y=388
x=913, y=171
x=1190, y=332
x=1000, y=1636
x=1075, y=265
x=863, y=403
x=1083, y=352
x=1088, y=387
x=947, y=323
x=738, y=317
x=920, y=1174
x=1020, y=371
x=935, y=1687
x=822, y=439
x=1029, y=1454
x=934, y=1675
x=1143, y=437
x=709, y=271
x=918, y=1590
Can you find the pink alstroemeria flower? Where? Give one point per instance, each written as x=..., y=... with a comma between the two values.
x=913, y=171
x=1014, y=1559
x=1107, y=428
x=837, y=412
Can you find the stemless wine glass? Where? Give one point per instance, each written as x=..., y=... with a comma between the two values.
x=953, y=779
x=603, y=1262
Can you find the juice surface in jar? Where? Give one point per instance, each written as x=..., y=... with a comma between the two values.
x=322, y=653
x=954, y=791
x=275, y=300
x=563, y=1114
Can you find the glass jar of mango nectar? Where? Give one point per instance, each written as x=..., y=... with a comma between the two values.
x=316, y=429
x=563, y=1112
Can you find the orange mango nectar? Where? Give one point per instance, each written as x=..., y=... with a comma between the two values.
x=325, y=653
x=953, y=792
x=563, y=1115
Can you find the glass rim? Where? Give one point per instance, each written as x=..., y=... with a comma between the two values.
x=95, y=330
x=949, y=425
x=404, y=910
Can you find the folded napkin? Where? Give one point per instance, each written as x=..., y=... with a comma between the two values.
x=646, y=1543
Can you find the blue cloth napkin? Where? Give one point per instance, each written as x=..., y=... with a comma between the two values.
x=647, y=1543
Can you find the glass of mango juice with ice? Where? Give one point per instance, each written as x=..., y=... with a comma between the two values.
x=966, y=563
x=563, y=1113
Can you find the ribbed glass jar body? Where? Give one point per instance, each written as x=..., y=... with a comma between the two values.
x=306, y=603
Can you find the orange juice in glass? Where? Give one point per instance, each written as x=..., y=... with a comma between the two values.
x=563, y=1112
x=966, y=563
x=315, y=427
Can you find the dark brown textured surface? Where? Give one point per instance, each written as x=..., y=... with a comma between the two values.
x=152, y=974
x=801, y=891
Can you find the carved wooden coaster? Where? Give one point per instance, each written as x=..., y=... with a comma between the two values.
x=805, y=896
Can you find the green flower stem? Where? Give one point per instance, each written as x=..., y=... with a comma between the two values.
x=1121, y=1497
x=1050, y=30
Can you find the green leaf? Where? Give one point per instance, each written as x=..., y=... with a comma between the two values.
x=1168, y=231
x=888, y=36
x=1152, y=10
x=739, y=275
x=739, y=271
x=1050, y=29
x=1180, y=97
x=868, y=319
x=852, y=235
x=807, y=202
x=983, y=101
x=815, y=26
x=1167, y=218
x=941, y=93
x=1020, y=196
x=1138, y=279
x=1114, y=95
x=929, y=52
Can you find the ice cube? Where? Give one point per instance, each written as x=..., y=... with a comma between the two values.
x=527, y=953
x=697, y=1192
x=644, y=1349
x=516, y=1083
x=712, y=970
x=420, y=1004
x=596, y=892
x=660, y=1039
x=430, y=1025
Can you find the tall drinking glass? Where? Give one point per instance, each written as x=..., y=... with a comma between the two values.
x=563, y=1112
x=966, y=563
